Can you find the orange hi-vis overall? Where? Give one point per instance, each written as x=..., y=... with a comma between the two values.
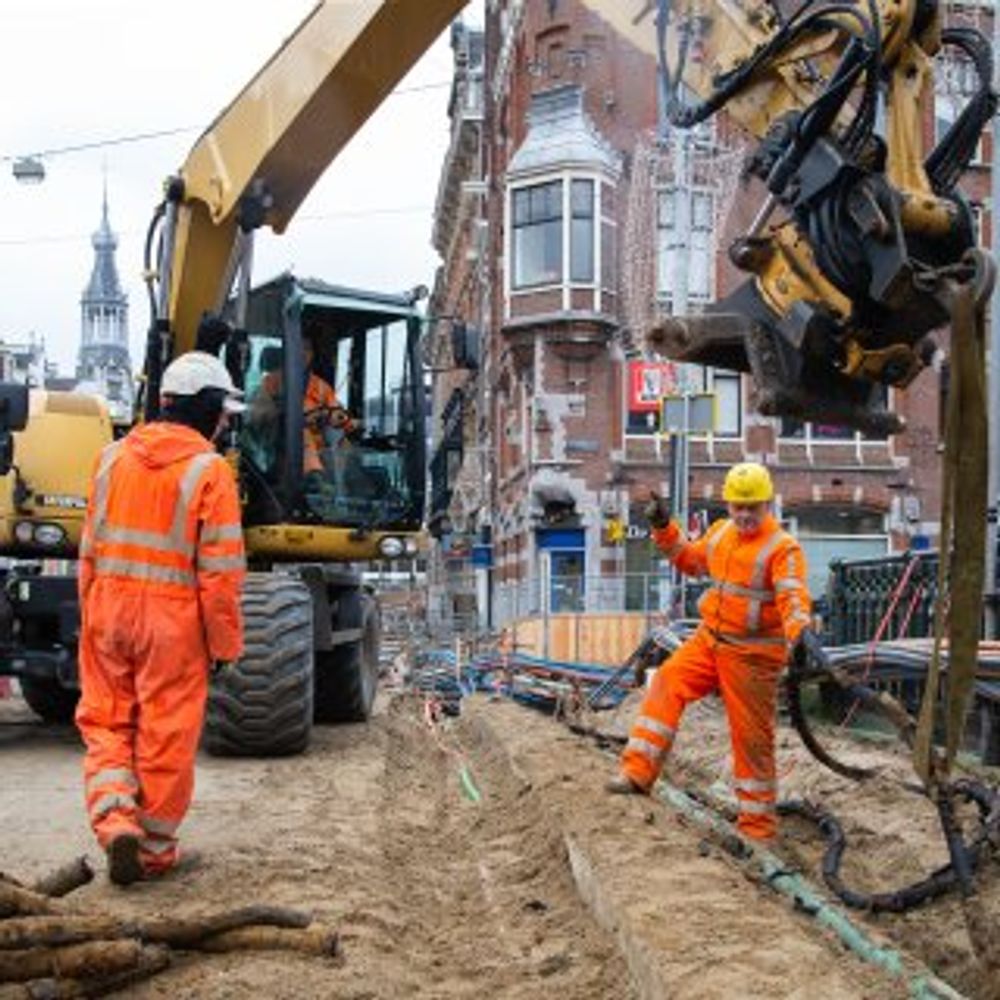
x=161, y=569
x=756, y=606
x=319, y=393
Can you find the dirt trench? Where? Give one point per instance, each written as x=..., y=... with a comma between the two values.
x=434, y=895
x=543, y=887
x=894, y=835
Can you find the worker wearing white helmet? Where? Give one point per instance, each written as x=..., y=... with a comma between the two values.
x=755, y=611
x=161, y=570
x=199, y=374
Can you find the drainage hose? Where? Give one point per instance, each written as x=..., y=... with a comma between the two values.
x=797, y=716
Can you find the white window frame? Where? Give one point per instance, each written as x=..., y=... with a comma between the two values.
x=598, y=220
x=857, y=439
x=704, y=382
x=513, y=229
x=696, y=298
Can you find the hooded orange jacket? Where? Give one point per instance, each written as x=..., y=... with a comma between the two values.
x=164, y=518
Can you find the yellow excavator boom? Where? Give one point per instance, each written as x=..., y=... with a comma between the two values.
x=280, y=133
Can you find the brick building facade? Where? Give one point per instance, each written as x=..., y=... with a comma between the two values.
x=545, y=408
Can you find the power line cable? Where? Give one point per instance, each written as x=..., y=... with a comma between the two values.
x=363, y=213
x=161, y=133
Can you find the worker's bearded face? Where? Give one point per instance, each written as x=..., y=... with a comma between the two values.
x=748, y=517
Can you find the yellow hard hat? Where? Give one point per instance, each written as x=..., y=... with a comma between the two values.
x=747, y=482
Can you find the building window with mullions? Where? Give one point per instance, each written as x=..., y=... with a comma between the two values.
x=538, y=235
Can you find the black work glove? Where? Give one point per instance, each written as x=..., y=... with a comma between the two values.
x=657, y=510
x=808, y=652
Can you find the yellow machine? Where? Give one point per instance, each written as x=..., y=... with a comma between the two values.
x=312, y=628
x=844, y=261
x=861, y=228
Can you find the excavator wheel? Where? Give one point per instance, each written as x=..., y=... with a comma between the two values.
x=346, y=676
x=47, y=698
x=262, y=705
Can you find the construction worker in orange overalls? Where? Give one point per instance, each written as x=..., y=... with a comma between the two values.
x=161, y=570
x=756, y=608
x=320, y=407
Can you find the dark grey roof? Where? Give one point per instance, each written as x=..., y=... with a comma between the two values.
x=104, y=285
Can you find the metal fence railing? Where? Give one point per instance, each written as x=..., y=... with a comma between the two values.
x=861, y=592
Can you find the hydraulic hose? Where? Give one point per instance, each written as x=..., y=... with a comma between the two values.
x=938, y=883
x=800, y=722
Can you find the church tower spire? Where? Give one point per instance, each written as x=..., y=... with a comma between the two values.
x=103, y=363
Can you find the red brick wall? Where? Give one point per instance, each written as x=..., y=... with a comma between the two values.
x=572, y=45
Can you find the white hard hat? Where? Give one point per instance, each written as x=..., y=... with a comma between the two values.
x=197, y=370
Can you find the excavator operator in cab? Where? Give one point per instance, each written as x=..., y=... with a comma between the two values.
x=326, y=421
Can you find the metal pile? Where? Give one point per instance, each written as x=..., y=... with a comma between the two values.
x=532, y=680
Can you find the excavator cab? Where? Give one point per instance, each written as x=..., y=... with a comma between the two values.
x=344, y=446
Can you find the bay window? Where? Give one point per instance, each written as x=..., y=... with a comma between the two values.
x=538, y=235
x=555, y=232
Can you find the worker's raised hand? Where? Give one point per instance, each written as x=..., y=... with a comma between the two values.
x=657, y=510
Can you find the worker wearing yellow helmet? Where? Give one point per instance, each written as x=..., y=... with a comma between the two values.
x=756, y=608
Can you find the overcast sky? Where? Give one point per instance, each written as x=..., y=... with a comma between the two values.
x=75, y=72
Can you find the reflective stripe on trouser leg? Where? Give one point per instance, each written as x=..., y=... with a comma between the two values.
x=171, y=685
x=105, y=718
x=748, y=680
x=688, y=675
x=158, y=851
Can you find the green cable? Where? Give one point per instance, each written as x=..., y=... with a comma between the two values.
x=923, y=985
x=468, y=785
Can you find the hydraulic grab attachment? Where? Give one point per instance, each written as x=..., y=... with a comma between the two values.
x=857, y=219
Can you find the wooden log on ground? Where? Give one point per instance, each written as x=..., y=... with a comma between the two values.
x=64, y=880
x=187, y=932
x=52, y=931
x=151, y=961
x=316, y=940
x=15, y=900
x=44, y=930
x=76, y=961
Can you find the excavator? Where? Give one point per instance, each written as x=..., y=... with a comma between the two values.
x=853, y=260
x=312, y=626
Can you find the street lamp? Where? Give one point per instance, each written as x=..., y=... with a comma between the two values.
x=28, y=170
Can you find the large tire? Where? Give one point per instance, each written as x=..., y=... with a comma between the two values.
x=262, y=706
x=49, y=699
x=347, y=675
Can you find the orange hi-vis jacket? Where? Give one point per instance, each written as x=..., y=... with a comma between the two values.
x=318, y=393
x=758, y=595
x=164, y=517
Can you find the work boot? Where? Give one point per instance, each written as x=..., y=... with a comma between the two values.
x=187, y=861
x=124, y=865
x=622, y=784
